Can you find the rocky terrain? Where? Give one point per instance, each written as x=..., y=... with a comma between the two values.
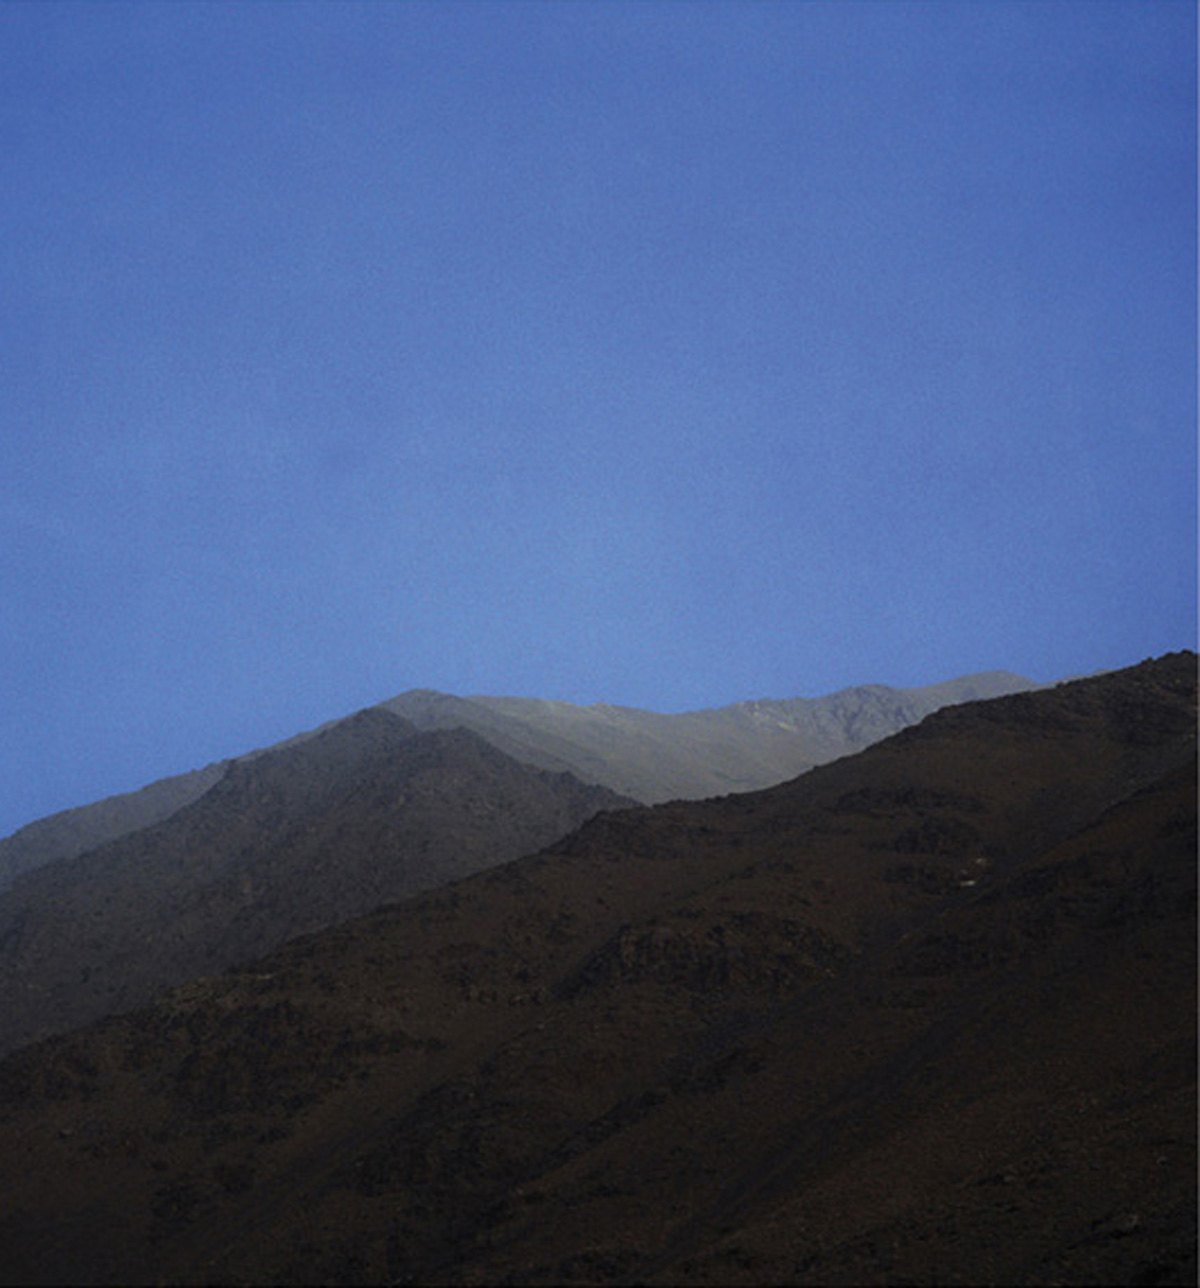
x=924, y=1014
x=75, y=831
x=365, y=812
x=642, y=754
x=695, y=754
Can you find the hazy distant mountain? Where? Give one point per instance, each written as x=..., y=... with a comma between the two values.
x=655, y=757
x=75, y=831
x=642, y=754
x=926, y=1014
x=326, y=828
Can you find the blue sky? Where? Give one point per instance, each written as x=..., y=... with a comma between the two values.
x=665, y=354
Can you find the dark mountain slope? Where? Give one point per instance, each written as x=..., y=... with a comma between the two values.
x=73, y=832
x=641, y=754
x=361, y=814
x=926, y=1014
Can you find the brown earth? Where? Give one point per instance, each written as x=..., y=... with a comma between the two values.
x=331, y=827
x=646, y=755
x=924, y=1015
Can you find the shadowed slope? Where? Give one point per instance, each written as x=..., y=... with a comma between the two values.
x=360, y=814
x=925, y=1014
x=641, y=754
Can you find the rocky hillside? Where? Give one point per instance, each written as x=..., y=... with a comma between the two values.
x=365, y=812
x=75, y=831
x=926, y=1014
x=642, y=754
x=655, y=757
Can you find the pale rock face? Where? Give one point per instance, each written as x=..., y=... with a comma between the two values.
x=647, y=755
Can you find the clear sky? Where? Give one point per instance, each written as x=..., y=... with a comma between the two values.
x=666, y=354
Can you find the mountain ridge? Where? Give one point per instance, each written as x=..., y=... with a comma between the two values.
x=366, y=811
x=511, y=725
x=926, y=1013
x=655, y=756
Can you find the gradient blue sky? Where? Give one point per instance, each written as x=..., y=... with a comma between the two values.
x=664, y=354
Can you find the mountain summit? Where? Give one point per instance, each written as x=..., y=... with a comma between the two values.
x=641, y=754
x=924, y=1014
x=655, y=757
x=364, y=812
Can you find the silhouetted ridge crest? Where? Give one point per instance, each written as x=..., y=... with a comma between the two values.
x=924, y=1014
x=640, y=754
x=362, y=813
x=1140, y=704
x=311, y=770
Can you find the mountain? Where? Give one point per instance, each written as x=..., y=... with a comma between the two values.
x=75, y=831
x=641, y=754
x=326, y=828
x=655, y=757
x=924, y=1014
